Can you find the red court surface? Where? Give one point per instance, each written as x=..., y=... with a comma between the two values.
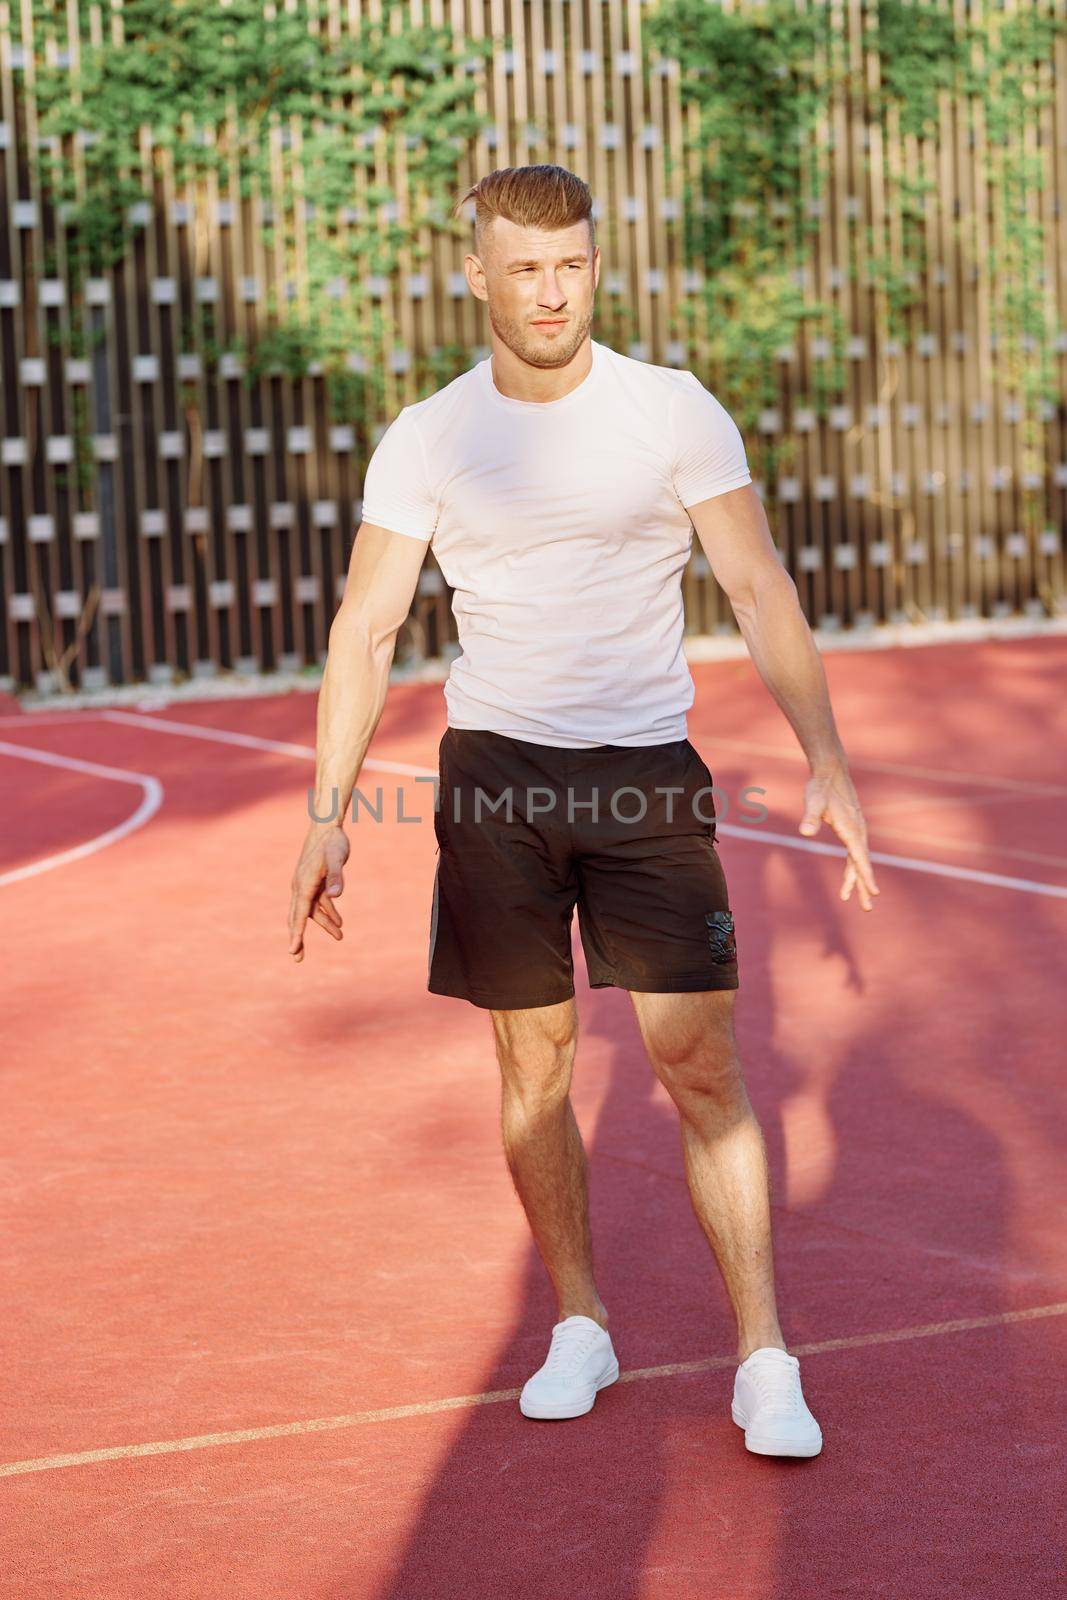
x=269, y=1295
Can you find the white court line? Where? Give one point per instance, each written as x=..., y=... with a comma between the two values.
x=152, y=799
x=977, y=780
x=927, y=802
x=937, y=869
x=45, y=719
x=251, y=741
x=195, y=730
x=463, y=1402
x=941, y=841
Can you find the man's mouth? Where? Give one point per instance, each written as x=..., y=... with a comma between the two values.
x=550, y=322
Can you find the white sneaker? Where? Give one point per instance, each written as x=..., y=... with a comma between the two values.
x=580, y=1362
x=769, y=1404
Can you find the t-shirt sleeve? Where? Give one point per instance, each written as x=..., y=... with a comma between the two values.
x=709, y=452
x=397, y=493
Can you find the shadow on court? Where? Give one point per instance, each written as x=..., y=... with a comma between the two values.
x=904, y=1194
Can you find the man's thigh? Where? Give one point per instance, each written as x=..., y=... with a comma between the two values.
x=653, y=906
x=678, y=1027
x=504, y=888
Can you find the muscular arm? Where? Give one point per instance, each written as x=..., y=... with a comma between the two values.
x=736, y=537
x=382, y=577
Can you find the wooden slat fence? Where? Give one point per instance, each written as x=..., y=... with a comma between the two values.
x=163, y=516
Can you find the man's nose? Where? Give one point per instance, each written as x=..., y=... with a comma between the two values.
x=552, y=296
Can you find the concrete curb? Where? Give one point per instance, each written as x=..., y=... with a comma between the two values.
x=698, y=647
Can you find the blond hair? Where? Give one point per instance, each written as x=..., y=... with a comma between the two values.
x=540, y=196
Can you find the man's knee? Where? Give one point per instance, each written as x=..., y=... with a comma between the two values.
x=535, y=1049
x=693, y=1051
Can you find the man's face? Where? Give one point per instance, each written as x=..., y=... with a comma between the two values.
x=539, y=285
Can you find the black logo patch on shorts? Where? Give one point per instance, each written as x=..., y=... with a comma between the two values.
x=720, y=926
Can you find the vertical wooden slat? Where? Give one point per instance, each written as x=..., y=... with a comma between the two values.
x=861, y=445
x=952, y=503
x=14, y=634
x=1053, y=575
x=631, y=112
x=815, y=591
x=834, y=233
x=878, y=454
x=972, y=361
x=599, y=112
x=983, y=432
x=34, y=477
x=1005, y=498
x=928, y=489
x=1030, y=431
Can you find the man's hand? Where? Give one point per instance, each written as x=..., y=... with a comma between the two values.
x=830, y=797
x=317, y=881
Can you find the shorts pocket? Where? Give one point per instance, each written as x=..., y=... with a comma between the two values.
x=721, y=938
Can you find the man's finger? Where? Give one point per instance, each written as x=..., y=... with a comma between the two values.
x=865, y=871
x=855, y=838
x=326, y=905
x=814, y=811
x=858, y=874
x=319, y=916
x=299, y=910
x=847, y=831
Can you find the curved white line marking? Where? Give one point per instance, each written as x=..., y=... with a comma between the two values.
x=151, y=800
x=252, y=741
x=937, y=869
x=196, y=730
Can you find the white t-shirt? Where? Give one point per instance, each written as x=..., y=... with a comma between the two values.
x=561, y=527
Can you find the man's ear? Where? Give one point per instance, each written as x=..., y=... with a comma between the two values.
x=472, y=266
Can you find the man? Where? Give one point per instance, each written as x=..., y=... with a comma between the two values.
x=560, y=483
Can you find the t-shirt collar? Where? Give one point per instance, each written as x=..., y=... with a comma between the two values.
x=581, y=392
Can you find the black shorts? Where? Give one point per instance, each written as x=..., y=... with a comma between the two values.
x=596, y=828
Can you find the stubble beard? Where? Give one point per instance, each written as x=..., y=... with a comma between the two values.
x=523, y=340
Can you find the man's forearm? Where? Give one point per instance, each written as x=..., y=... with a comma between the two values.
x=354, y=686
x=781, y=645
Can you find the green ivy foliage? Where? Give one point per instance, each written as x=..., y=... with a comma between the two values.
x=922, y=53
x=265, y=103
x=755, y=78
x=759, y=78
x=1023, y=305
x=248, y=97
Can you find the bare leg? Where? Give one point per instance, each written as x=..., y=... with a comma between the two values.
x=544, y=1150
x=691, y=1045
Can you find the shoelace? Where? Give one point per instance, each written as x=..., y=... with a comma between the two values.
x=778, y=1385
x=569, y=1346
